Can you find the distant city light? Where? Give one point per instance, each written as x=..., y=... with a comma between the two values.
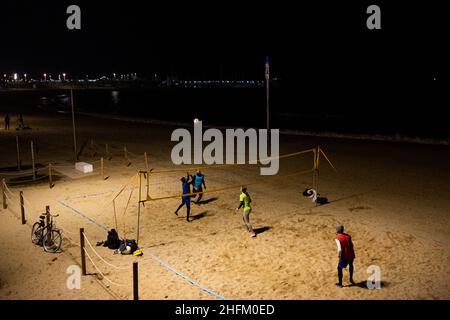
x=64, y=76
x=15, y=76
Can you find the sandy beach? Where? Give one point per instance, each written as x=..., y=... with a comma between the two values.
x=393, y=198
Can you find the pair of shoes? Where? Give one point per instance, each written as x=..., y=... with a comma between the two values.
x=253, y=234
x=176, y=213
x=187, y=219
x=339, y=285
x=352, y=282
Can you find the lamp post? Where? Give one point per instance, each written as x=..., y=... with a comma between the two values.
x=267, y=76
x=73, y=127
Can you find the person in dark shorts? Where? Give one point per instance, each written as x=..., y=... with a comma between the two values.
x=7, y=121
x=198, y=181
x=346, y=254
x=185, y=200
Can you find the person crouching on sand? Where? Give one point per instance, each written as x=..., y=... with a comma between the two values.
x=185, y=200
x=346, y=254
x=245, y=201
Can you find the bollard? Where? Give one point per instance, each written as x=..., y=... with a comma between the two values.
x=135, y=281
x=5, y=205
x=83, y=254
x=101, y=168
x=22, y=208
x=50, y=178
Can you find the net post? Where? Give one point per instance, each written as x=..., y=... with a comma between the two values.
x=102, y=168
x=146, y=160
x=135, y=281
x=5, y=204
x=83, y=254
x=50, y=178
x=22, y=208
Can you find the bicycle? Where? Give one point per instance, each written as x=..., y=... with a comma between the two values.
x=46, y=235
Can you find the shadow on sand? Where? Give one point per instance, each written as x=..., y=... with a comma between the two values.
x=199, y=215
x=207, y=201
x=363, y=284
x=261, y=230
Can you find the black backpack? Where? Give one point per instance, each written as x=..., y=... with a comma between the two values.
x=112, y=241
x=123, y=246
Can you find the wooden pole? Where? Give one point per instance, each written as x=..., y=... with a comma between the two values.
x=47, y=221
x=92, y=148
x=147, y=197
x=18, y=153
x=317, y=169
x=83, y=254
x=107, y=151
x=50, y=178
x=267, y=76
x=135, y=281
x=102, y=168
x=22, y=208
x=139, y=217
x=314, y=169
x=146, y=161
x=139, y=206
x=73, y=127
x=32, y=160
x=5, y=205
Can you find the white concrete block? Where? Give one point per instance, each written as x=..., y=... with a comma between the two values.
x=84, y=167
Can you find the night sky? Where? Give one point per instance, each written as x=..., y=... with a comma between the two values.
x=322, y=52
x=317, y=41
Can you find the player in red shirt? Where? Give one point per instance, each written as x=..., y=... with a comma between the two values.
x=346, y=254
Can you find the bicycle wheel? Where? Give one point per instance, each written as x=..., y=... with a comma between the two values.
x=53, y=243
x=36, y=234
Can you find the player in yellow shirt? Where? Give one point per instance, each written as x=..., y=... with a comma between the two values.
x=245, y=201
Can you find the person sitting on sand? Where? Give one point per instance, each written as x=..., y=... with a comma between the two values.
x=245, y=201
x=185, y=200
x=346, y=254
x=198, y=182
x=7, y=121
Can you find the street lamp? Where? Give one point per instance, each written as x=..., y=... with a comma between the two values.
x=45, y=77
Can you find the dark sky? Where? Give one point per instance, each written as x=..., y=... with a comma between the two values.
x=318, y=41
